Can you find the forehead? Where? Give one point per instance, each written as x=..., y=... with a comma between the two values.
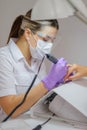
x=49, y=30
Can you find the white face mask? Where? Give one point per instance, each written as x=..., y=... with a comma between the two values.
x=41, y=49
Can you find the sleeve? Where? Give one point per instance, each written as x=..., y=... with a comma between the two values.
x=7, y=80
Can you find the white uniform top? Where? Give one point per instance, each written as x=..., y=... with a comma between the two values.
x=15, y=73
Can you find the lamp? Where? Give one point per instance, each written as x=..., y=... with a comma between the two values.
x=57, y=9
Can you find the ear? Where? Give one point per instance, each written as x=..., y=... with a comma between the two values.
x=27, y=33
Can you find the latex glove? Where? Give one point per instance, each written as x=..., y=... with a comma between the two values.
x=63, y=80
x=56, y=74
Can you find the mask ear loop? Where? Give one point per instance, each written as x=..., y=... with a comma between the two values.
x=30, y=40
x=35, y=40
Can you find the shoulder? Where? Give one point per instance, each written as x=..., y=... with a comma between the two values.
x=5, y=57
x=4, y=51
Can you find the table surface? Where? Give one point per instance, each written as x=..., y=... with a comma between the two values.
x=25, y=122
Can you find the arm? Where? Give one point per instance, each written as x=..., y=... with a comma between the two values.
x=9, y=102
x=77, y=70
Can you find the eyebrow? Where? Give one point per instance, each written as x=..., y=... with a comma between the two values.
x=45, y=35
x=51, y=37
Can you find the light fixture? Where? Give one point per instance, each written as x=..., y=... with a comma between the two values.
x=57, y=9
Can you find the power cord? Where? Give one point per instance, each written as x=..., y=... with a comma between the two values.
x=38, y=127
x=47, y=101
x=25, y=96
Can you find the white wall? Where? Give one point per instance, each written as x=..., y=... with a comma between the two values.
x=72, y=34
x=73, y=42
x=9, y=10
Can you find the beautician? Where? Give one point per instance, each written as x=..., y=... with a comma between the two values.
x=20, y=60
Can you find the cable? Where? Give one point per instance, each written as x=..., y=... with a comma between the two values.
x=38, y=127
x=25, y=96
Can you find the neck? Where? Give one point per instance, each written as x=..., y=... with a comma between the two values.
x=24, y=47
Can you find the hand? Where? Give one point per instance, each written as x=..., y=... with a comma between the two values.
x=77, y=70
x=56, y=74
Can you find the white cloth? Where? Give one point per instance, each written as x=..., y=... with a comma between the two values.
x=15, y=73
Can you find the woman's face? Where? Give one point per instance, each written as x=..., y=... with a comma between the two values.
x=47, y=34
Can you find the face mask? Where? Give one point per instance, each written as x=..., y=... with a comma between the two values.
x=41, y=49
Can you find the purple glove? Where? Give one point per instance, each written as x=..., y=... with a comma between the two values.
x=56, y=74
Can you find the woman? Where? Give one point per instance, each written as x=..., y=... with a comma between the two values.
x=78, y=71
x=28, y=43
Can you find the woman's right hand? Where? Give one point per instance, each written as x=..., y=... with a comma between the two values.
x=56, y=74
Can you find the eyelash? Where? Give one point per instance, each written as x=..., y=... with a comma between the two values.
x=45, y=39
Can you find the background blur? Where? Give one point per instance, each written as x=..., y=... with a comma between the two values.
x=71, y=42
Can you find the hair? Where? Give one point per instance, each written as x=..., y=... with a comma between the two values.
x=16, y=30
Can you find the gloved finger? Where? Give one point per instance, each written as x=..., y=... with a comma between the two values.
x=62, y=61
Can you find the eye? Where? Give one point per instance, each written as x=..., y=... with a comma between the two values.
x=45, y=39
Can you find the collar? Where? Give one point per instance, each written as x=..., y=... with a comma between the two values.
x=15, y=51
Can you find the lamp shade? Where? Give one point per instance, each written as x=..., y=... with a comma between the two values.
x=79, y=6
x=57, y=9
x=52, y=9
